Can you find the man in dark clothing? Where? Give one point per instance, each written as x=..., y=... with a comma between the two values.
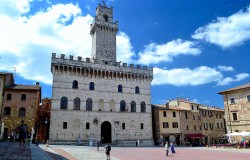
x=108, y=149
x=22, y=133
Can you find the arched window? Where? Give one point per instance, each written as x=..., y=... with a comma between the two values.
x=6, y=111
x=133, y=106
x=143, y=107
x=64, y=103
x=75, y=84
x=101, y=105
x=137, y=90
x=89, y=104
x=122, y=106
x=105, y=16
x=120, y=88
x=91, y=86
x=77, y=103
x=22, y=112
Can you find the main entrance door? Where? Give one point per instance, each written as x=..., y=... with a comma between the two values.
x=106, y=132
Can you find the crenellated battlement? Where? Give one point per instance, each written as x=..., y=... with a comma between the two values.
x=79, y=60
x=94, y=68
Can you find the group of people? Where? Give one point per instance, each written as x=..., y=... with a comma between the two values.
x=171, y=147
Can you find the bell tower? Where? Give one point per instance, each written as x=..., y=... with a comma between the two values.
x=103, y=31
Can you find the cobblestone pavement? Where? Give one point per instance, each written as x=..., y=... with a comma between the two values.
x=148, y=153
x=11, y=150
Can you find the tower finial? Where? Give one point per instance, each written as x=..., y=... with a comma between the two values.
x=103, y=3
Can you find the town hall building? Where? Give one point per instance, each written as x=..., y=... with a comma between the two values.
x=99, y=98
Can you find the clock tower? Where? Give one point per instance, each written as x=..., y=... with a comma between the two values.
x=103, y=31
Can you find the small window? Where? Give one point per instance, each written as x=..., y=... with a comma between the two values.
x=175, y=124
x=76, y=104
x=137, y=90
x=122, y=106
x=143, y=106
x=211, y=126
x=195, y=128
x=187, y=128
x=193, y=117
x=123, y=125
x=142, y=126
x=65, y=125
x=221, y=125
x=87, y=125
x=91, y=86
x=174, y=114
x=22, y=112
x=165, y=125
x=235, y=116
x=105, y=17
x=199, y=118
x=164, y=114
x=133, y=106
x=200, y=128
x=186, y=115
x=205, y=126
x=197, y=107
x=220, y=115
x=232, y=101
x=218, y=126
x=64, y=103
x=216, y=115
x=192, y=107
x=89, y=104
x=120, y=88
x=248, y=98
x=8, y=96
x=7, y=111
x=23, y=97
x=75, y=84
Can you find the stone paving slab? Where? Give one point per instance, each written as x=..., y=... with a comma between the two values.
x=12, y=150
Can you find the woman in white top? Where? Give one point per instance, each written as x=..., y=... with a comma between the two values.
x=166, y=148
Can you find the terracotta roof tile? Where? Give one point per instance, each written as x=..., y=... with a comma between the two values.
x=25, y=87
x=245, y=86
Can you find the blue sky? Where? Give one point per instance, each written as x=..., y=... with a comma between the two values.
x=197, y=48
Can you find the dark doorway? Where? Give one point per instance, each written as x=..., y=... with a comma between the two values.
x=106, y=132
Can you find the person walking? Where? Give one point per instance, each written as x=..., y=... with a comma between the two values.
x=166, y=148
x=172, y=148
x=23, y=128
x=97, y=144
x=108, y=149
x=138, y=143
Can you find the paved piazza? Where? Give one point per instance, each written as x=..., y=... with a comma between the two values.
x=145, y=153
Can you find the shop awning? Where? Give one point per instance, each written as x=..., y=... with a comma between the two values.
x=195, y=135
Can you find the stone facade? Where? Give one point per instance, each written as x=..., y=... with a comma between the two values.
x=99, y=98
x=194, y=126
x=237, y=108
x=20, y=102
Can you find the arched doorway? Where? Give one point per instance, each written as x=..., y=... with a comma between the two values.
x=106, y=132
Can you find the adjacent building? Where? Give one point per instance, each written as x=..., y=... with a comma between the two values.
x=187, y=123
x=98, y=97
x=20, y=102
x=237, y=108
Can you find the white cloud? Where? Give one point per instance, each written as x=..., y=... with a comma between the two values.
x=154, y=53
x=226, y=31
x=225, y=68
x=229, y=80
x=124, y=48
x=186, y=76
x=28, y=41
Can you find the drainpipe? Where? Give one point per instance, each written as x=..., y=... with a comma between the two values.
x=229, y=114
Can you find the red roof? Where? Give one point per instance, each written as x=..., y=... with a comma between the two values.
x=24, y=87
